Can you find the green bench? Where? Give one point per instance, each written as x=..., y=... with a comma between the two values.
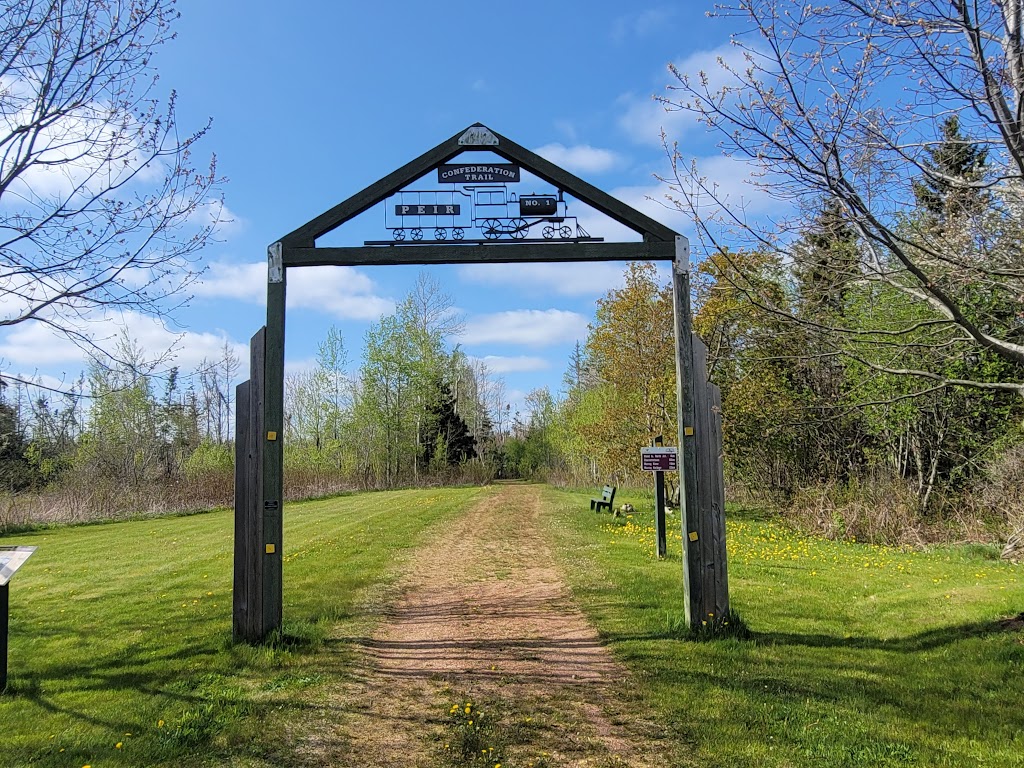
x=606, y=500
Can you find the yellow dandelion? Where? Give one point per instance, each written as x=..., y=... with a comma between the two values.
x=159, y=723
x=118, y=745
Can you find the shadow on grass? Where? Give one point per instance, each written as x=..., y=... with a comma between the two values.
x=922, y=641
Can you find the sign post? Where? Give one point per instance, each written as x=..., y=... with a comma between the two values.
x=659, y=461
x=11, y=559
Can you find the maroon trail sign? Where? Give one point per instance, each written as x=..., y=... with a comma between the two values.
x=659, y=460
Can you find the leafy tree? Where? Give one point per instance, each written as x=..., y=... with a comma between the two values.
x=802, y=98
x=630, y=354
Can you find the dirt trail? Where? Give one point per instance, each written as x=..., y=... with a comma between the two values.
x=485, y=617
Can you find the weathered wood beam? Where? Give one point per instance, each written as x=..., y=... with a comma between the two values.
x=689, y=508
x=474, y=254
x=241, y=597
x=271, y=438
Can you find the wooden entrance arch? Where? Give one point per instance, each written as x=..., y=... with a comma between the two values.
x=257, y=601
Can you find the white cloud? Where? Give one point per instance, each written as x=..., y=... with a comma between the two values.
x=653, y=201
x=644, y=118
x=243, y=282
x=520, y=364
x=647, y=199
x=641, y=24
x=734, y=184
x=339, y=291
x=581, y=158
x=84, y=152
x=529, y=327
x=568, y=279
x=299, y=367
x=215, y=212
x=31, y=345
x=342, y=292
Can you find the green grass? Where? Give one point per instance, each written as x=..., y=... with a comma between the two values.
x=121, y=633
x=858, y=655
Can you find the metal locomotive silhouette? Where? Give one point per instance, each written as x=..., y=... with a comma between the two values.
x=479, y=207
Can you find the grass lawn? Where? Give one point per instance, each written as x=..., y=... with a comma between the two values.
x=859, y=655
x=121, y=649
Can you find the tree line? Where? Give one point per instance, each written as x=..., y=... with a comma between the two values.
x=124, y=438
x=837, y=428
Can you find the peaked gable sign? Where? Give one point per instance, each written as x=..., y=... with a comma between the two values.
x=299, y=247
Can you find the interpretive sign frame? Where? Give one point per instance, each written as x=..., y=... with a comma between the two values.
x=11, y=559
x=258, y=505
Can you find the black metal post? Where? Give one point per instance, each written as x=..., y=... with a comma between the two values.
x=5, y=592
x=659, y=513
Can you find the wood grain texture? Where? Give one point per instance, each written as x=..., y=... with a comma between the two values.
x=506, y=253
x=272, y=501
x=240, y=595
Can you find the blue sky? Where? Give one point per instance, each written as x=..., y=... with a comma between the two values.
x=312, y=101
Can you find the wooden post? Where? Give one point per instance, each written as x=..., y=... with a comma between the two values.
x=270, y=437
x=701, y=477
x=702, y=428
x=688, y=510
x=249, y=600
x=720, y=553
x=241, y=597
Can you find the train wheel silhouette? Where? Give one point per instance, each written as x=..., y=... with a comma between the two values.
x=440, y=233
x=417, y=234
x=519, y=228
x=565, y=232
x=492, y=229
x=458, y=233
x=399, y=234
x=548, y=232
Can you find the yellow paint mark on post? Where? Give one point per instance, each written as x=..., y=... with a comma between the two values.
x=271, y=549
x=271, y=435
x=688, y=431
x=693, y=535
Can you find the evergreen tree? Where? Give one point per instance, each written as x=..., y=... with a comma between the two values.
x=956, y=163
x=826, y=263
x=446, y=438
x=16, y=473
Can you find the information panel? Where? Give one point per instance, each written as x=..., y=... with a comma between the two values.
x=11, y=559
x=659, y=460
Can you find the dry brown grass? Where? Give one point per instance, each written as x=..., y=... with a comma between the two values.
x=80, y=499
